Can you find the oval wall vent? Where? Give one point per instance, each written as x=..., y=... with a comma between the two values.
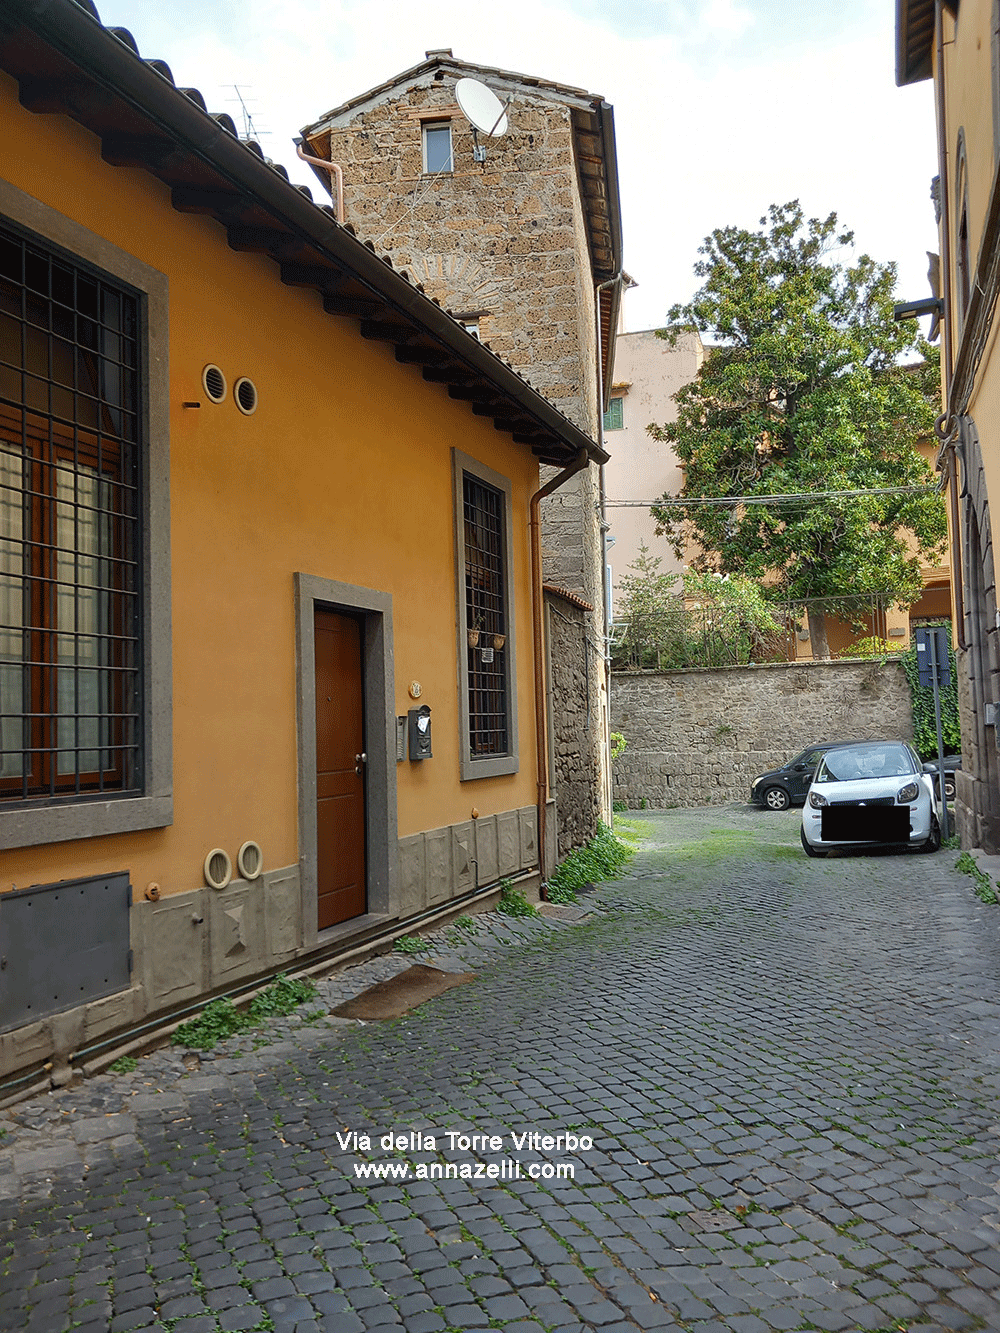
x=214, y=383
x=250, y=860
x=245, y=392
x=218, y=869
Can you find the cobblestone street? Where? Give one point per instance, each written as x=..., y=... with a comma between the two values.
x=788, y=1069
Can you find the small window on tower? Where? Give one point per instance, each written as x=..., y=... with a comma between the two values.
x=437, y=148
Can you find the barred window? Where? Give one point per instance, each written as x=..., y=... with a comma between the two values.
x=486, y=618
x=70, y=613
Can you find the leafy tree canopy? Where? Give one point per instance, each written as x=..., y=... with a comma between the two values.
x=803, y=390
x=693, y=619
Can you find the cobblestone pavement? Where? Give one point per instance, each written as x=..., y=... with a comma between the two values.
x=788, y=1068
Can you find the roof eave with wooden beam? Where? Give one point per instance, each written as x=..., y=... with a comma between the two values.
x=593, y=125
x=65, y=61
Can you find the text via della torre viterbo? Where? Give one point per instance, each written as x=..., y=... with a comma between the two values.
x=465, y=1156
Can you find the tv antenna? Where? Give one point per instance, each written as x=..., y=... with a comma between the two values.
x=250, y=130
x=484, y=111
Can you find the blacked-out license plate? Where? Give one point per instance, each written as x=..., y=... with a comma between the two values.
x=865, y=823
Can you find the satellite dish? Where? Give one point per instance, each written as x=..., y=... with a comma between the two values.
x=481, y=107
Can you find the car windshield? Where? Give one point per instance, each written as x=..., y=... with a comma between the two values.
x=863, y=762
x=807, y=757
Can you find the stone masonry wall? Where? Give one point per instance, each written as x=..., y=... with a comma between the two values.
x=501, y=237
x=700, y=737
x=572, y=668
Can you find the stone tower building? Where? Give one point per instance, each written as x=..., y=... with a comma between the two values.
x=522, y=244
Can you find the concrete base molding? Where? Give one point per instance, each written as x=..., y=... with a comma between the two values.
x=192, y=945
x=184, y=946
x=445, y=863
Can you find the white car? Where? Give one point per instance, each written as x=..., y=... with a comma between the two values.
x=870, y=794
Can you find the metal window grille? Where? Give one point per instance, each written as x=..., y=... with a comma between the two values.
x=70, y=613
x=486, y=618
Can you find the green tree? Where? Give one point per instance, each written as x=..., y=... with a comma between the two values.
x=713, y=620
x=803, y=391
x=731, y=622
x=653, y=614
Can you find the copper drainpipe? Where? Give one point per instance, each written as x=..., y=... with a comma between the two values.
x=334, y=169
x=951, y=455
x=581, y=461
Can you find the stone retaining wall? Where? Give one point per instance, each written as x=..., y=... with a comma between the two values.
x=574, y=720
x=700, y=737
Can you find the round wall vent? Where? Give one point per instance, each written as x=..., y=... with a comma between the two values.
x=245, y=393
x=214, y=383
x=218, y=869
x=250, y=860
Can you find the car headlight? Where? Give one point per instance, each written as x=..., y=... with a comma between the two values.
x=909, y=793
x=816, y=800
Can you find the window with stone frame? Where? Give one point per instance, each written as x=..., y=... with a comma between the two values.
x=70, y=568
x=488, y=733
x=485, y=618
x=963, y=252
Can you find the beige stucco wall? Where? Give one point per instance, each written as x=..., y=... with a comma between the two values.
x=648, y=372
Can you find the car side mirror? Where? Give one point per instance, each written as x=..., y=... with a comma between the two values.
x=801, y=768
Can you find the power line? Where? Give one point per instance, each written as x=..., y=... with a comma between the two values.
x=671, y=502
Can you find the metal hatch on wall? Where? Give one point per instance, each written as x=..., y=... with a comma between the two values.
x=62, y=945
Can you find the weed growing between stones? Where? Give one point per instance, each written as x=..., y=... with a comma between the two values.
x=601, y=859
x=705, y=849
x=410, y=944
x=221, y=1019
x=125, y=1064
x=981, y=881
x=513, y=902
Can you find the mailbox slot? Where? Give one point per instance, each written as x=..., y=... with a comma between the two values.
x=420, y=733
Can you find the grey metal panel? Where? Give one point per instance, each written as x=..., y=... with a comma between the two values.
x=61, y=945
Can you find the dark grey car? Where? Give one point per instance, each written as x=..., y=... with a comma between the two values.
x=951, y=763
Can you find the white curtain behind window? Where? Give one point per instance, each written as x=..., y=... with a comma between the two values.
x=82, y=617
x=11, y=612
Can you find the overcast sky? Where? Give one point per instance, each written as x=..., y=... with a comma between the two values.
x=721, y=106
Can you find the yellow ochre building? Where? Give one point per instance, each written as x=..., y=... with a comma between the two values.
x=272, y=673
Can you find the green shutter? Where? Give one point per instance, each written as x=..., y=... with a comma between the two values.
x=613, y=416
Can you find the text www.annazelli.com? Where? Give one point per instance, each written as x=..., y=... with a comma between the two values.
x=509, y=1168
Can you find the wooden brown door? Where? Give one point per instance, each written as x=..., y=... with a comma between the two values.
x=340, y=769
